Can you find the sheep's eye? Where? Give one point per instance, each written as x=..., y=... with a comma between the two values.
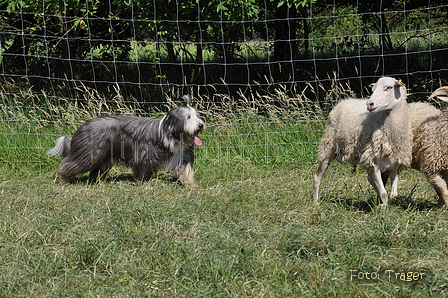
x=387, y=88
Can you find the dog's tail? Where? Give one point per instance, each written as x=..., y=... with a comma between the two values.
x=62, y=147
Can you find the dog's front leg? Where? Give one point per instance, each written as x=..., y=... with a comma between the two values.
x=184, y=173
x=141, y=172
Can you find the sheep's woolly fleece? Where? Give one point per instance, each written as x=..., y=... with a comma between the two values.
x=360, y=137
x=421, y=113
x=430, y=152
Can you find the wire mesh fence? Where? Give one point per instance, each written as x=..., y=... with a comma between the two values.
x=270, y=67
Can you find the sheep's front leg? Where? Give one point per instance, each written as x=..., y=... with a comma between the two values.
x=377, y=182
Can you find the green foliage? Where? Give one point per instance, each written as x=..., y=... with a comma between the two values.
x=238, y=10
x=296, y=3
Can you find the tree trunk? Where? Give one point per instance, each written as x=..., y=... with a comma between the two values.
x=285, y=46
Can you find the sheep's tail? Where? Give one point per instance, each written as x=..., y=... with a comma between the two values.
x=62, y=147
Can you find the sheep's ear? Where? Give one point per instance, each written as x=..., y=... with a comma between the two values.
x=400, y=83
x=441, y=93
x=372, y=85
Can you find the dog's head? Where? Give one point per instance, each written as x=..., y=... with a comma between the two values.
x=185, y=125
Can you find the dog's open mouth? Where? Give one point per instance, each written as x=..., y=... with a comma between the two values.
x=196, y=139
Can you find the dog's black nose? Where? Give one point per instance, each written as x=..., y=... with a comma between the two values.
x=200, y=125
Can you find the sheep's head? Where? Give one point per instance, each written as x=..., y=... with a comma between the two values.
x=387, y=93
x=441, y=93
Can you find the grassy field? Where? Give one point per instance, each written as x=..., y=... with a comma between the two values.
x=249, y=230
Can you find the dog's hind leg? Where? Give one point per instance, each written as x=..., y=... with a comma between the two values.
x=68, y=169
x=184, y=173
x=65, y=179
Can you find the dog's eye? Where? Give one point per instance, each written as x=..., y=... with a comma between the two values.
x=188, y=117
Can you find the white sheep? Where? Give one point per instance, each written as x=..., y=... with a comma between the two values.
x=430, y=148
x=375, y=134
x=420, y=113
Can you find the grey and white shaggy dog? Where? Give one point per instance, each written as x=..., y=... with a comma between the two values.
x=145, y=144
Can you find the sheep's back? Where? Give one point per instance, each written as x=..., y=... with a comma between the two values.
x=421, y=112
x=342, y=133
x=356, y=136
x=423, y=122
x=430, y=148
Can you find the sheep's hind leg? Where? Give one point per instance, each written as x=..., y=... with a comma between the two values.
x=440, y=186
x=376, y=180
x=323, y=165
x=393, y=174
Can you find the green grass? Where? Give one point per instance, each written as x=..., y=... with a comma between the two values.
x=249, y=230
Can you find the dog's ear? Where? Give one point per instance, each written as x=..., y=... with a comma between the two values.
x=187, y=99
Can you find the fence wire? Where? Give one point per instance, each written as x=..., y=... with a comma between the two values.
x=235, y=58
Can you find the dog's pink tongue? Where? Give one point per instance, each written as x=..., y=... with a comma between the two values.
x=197, y=140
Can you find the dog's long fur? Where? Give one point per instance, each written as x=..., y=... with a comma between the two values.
x=146, y=144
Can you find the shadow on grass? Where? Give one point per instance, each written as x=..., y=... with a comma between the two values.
x=366, y=206
x=409, y=203
x=355, y=204
x=124, y=177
